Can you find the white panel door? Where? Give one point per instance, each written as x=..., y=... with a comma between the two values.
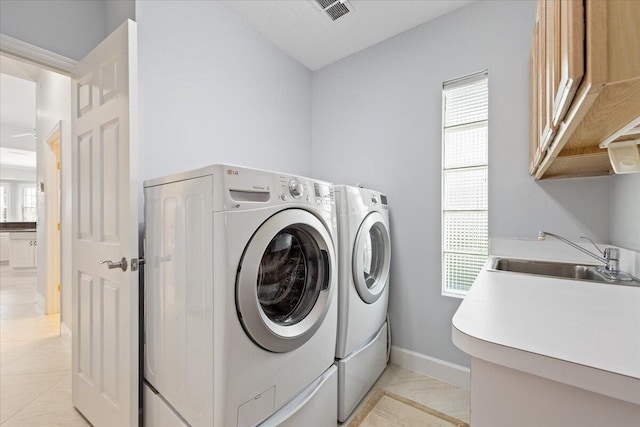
x=105, y=227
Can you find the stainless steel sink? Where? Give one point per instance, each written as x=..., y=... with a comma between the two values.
x=555, y=269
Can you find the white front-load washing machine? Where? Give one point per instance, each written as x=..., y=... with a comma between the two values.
x=240, y=299
x=365, y=255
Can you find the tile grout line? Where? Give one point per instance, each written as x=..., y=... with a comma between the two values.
x=22, y=355
x=37, y=339
x=33, y=400
x=55, y=371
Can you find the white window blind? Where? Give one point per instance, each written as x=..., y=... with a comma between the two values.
x=465, y=148
x=3, y=204
x=29, y=204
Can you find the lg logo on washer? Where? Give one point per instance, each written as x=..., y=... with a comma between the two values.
x=232, y=172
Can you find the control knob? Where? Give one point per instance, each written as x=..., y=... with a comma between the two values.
x=296, y=188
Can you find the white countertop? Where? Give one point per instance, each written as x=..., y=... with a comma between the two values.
x=584, y=334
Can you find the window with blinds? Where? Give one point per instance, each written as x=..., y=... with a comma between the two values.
x=4, y=208
x=29, y=204
x=465, y=149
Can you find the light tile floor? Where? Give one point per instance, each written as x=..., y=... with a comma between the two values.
x=35, y=361
x=428, y=391
x=35, y=366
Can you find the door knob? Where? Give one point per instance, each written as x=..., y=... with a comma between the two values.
x=119, y=264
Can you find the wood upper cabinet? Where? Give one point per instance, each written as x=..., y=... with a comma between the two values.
x=535, y=75
x=567, y=26
x=584, y=84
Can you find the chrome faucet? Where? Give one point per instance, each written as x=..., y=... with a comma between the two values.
x=610, y=256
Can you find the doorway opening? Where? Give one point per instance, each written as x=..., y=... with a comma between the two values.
x=35, y=292
x=35, y=121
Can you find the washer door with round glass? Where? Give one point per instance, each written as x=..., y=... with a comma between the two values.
x=371, y=258
x=283, y=289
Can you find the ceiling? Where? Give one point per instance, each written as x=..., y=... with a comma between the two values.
x=305, y=32
x=17, y=102
x=17, y=158
x=17, y=106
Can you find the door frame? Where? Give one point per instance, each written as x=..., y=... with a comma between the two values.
x=35, y=55
x=42, y=58
x=53, y=218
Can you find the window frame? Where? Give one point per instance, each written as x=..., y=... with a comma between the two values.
x=448, y=85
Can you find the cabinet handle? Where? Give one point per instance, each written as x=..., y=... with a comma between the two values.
x=30, y=242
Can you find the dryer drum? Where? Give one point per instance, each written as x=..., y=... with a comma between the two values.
x=371, y=258
x=373, y=255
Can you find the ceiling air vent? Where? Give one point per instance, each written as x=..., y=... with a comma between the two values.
x=334, y=8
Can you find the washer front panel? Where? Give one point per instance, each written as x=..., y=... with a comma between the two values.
x=283, y=288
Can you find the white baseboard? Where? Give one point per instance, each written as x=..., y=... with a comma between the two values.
x=442, y=370
x=40, y=302
x=65, y=332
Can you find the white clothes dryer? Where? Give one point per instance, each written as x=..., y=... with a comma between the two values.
x=240, y=299
x=365, y=258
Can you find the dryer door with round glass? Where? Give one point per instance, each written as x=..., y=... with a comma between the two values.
x=283, y=289
x=371, y=258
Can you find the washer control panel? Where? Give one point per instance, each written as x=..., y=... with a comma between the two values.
x=246, y=188
x=296, y=188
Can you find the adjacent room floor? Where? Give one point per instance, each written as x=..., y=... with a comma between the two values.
x=35, y=361
x=35, y=366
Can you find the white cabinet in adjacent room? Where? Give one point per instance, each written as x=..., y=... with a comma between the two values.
x=22, y=246
x=4, y=247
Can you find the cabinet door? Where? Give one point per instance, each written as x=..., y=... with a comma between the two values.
x=550, y=69
x=538, y=89
x=534, y=131
x=22, y=253
x=4, y=248
x=567, y=20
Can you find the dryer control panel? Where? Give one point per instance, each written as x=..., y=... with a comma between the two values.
x=377, y=200
x=358, y=199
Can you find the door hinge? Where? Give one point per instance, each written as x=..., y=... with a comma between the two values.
x=58, y=226
x=58, y=165
x=58, y=287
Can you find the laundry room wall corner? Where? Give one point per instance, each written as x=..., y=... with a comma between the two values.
x=389, y=137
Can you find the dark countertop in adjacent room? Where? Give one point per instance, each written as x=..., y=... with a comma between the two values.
x=13, y=227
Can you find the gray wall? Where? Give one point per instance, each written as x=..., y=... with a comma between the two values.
x=116, y=12
x=625, y=211
x=68, y=27
x=377, y=121
x=212, y=90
